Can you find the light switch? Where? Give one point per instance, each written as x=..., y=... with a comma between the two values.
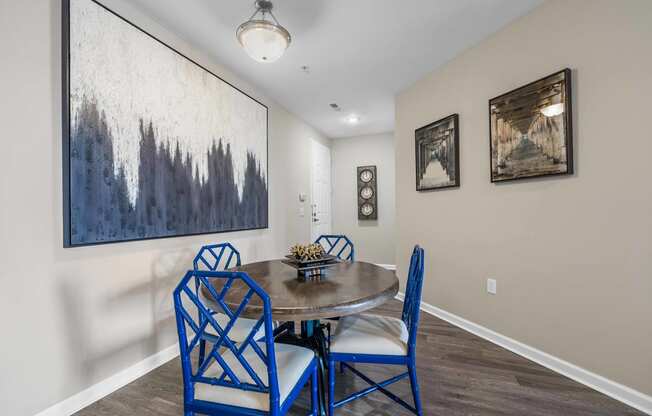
x=491, y=286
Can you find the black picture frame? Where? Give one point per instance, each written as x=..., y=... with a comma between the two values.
x=566, y=90
x=421, y=161
x=66, y=130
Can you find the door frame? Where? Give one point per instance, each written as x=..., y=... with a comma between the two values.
x=315, y=144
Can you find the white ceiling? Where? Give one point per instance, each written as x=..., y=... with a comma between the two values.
x=360, y=52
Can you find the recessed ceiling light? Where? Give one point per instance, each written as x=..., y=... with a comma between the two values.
x=352, y=119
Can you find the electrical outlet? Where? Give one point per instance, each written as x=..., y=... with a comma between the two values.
x=491, y=286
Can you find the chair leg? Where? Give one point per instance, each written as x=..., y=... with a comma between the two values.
x=412, y=369
x=331, y=387
x=314, y=393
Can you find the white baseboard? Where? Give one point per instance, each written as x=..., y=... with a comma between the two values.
x=615, y=390
x=105, y=387
x=387, y=266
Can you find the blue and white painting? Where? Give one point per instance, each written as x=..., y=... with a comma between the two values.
x=158, y=146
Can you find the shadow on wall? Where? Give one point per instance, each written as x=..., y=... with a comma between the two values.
x=109, y=326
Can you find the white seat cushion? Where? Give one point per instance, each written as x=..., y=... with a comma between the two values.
x=241, y=329
x=291, y=363
x=370, y=334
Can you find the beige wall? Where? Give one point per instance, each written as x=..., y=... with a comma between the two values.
x=373, y=240
x=572, y=255
x=72, y=317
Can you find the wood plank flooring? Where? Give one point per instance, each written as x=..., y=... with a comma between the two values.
x=459, y=373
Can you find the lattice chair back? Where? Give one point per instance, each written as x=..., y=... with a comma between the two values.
x=226, y=364
x=412, y=300
x=337, y=245
x=216, y=257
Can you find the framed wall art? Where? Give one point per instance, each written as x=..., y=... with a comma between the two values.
x=437, y=154
x=531, y=132
x=367, y=193
x=155, y=145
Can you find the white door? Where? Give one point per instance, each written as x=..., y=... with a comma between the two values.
x=321, y=190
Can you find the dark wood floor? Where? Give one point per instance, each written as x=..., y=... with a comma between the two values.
x=459, y=373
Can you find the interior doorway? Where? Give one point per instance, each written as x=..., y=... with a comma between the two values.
x=320, y=199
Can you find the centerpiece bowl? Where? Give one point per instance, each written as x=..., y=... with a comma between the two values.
x=310, y=260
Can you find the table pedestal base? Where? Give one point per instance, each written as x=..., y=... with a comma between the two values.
x=314, y=335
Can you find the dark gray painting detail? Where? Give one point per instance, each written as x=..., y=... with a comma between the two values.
x=531, y=130
x=172, y=198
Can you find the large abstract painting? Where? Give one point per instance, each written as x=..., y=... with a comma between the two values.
x=155, y=145
x=531, y=131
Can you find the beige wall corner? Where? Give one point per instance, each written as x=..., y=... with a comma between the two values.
x=374, y=240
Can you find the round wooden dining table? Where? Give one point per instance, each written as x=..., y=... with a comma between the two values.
x=343, y=289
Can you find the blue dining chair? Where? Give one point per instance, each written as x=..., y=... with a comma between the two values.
x=248, y=378
x=376, y=339
x=338, y=245
x=216, y=257
x=221, y=257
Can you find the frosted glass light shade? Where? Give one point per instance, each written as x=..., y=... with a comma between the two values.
x=263, y=41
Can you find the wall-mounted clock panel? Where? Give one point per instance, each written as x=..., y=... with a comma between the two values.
x=367, y=193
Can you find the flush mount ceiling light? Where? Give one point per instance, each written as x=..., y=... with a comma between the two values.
x=264, y=40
